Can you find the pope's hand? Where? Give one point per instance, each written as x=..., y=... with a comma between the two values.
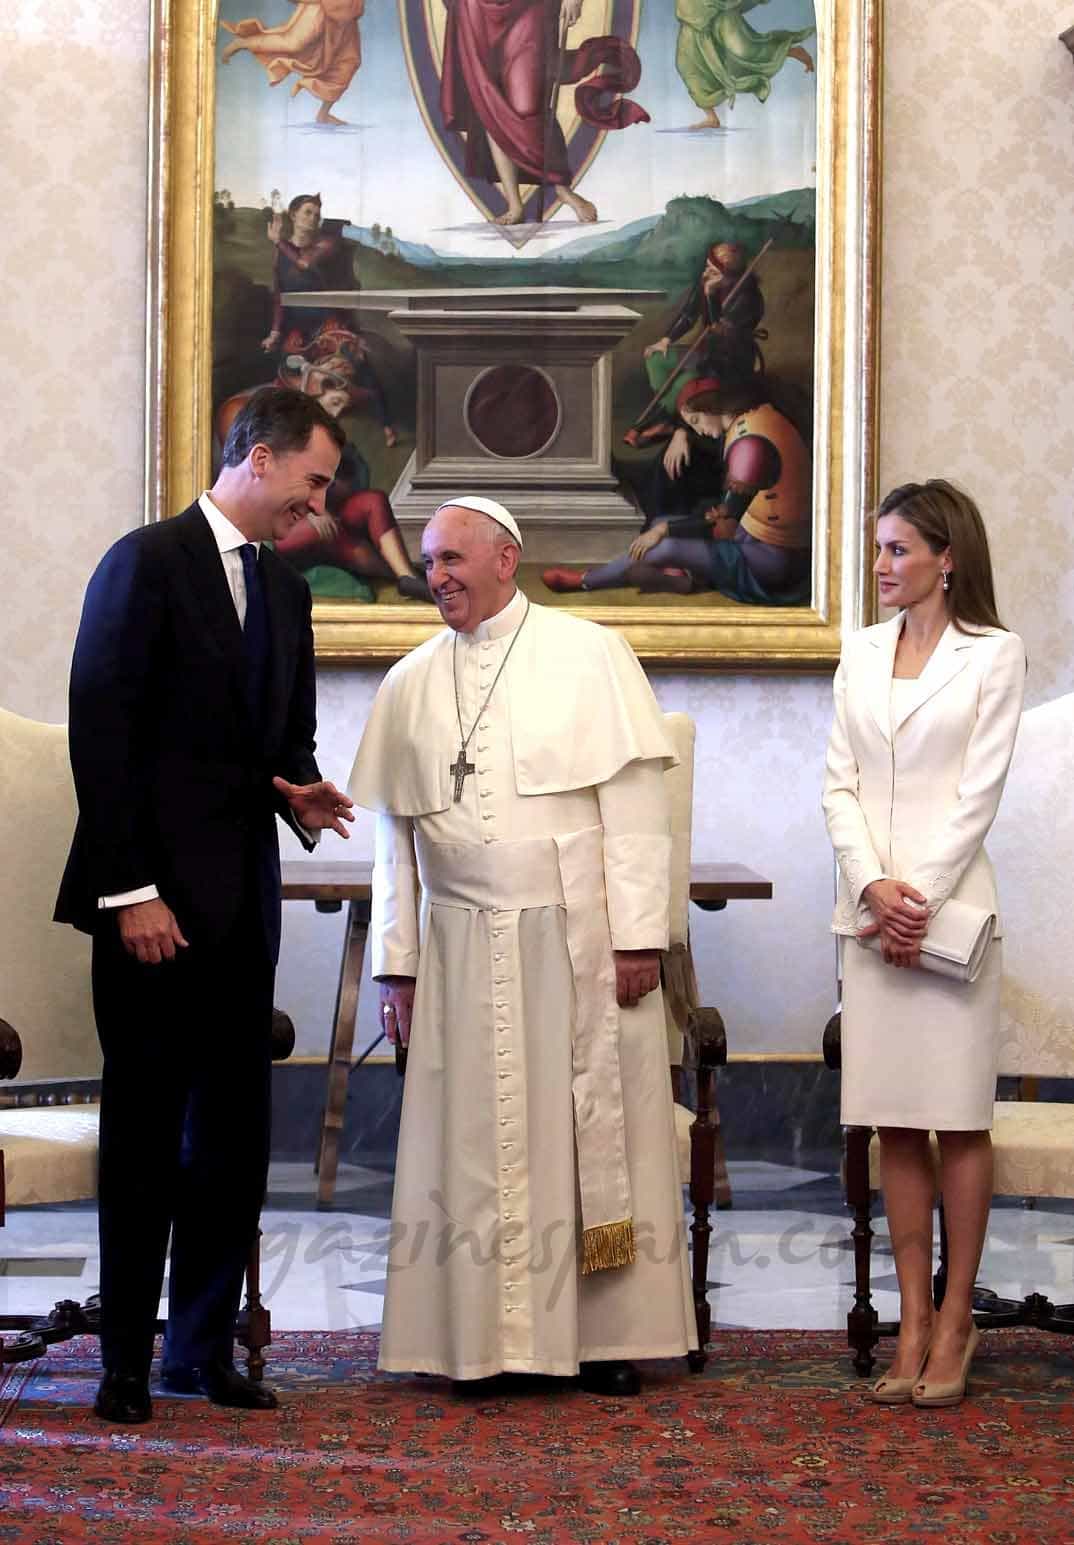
x=637, y=972
x=397, y=1007
x=572, y=9
x=317, y=806
x=149, y=931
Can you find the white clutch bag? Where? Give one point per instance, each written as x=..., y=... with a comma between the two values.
x=956, y=943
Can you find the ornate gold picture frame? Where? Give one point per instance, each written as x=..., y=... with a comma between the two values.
x=434, y=329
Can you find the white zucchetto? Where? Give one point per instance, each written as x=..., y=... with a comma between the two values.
x=490, y=507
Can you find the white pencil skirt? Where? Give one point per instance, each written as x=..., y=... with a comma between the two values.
x=919, y=1050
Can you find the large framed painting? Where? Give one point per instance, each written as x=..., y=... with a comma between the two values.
x=610, y=262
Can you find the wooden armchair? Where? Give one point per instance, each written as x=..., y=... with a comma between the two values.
x=697, y=1041
x=48, y=1043
x=1032, y=846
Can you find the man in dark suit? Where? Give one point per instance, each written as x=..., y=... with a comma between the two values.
x=192, y=717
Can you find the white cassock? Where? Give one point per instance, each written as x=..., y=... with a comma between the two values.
x=537, y=1218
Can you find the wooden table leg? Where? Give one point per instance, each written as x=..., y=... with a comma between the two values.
x=721, y=1178
x=339, y=1055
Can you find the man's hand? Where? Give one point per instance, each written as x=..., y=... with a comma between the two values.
x=900, y=914
x=647, y=540
x=661, y=347
x=317, y=806
x=269, y=343
x=571, y=11
x=149, y=931
x=396, y=1008
x=637, y=972
x=677, y=455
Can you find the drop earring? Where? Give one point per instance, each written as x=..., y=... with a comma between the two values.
x=946, y=580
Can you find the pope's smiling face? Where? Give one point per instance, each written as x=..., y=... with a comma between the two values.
x=470, y=564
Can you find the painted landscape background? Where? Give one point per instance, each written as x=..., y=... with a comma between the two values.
x=406, y=225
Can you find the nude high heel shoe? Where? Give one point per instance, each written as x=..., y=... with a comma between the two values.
x=897, y=1392
x=951, y=1393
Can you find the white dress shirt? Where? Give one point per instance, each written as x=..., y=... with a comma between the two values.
x=229, y=540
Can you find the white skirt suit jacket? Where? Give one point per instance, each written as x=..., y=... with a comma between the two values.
x=912, y=786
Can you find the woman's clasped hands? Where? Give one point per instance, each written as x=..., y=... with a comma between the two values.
x=901, y=920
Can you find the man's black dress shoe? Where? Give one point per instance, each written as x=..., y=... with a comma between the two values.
x=223, y=1384
x=610, y=1378
x=123, y=1397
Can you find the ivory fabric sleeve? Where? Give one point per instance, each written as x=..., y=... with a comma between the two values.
x=394, y=927
x=637, y=855
x=847, y=826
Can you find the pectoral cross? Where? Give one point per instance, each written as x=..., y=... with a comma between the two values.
x=460, y=770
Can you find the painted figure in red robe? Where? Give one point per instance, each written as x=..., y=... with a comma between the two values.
x=505, y=62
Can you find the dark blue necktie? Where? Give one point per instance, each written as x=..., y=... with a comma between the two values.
x=255, y=633
x=257, y=646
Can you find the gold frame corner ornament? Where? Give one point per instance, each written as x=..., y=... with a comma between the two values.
x=846, y=371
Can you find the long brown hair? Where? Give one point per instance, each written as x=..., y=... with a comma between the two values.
x=948, y=518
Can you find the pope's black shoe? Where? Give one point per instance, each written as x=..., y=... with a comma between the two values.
x=609, y=1378
x=123, y=1397
x=223, y=1384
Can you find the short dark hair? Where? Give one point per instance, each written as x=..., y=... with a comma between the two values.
x=282, y=419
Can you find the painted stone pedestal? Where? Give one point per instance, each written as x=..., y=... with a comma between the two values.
x=514, y=401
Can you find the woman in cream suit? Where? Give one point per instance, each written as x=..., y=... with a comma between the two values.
x=926, y=711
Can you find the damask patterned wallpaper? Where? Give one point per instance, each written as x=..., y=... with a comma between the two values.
x=977, y=384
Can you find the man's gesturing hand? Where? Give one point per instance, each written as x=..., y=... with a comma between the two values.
x=149, y=931
x=317, y=806
x=397, y=1008
x=637, y=972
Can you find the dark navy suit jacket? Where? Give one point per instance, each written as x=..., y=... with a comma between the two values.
x=173, y=777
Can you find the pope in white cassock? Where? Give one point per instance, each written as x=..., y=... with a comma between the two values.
x=516, y=763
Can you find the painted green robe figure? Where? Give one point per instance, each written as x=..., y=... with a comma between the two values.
x=719, y=55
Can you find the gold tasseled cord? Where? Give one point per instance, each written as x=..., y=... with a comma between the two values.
x=608, y=1245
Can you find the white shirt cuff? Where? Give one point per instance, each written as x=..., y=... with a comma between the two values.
x=128, y=898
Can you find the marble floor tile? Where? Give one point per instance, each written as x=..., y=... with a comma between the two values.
x=781, y=1258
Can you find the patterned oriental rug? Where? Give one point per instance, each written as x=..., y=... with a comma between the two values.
x=775, y=1442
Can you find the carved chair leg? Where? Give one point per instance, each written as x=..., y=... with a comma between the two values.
x=722, y=1180
x=862, y=1334
x=253, y=1329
